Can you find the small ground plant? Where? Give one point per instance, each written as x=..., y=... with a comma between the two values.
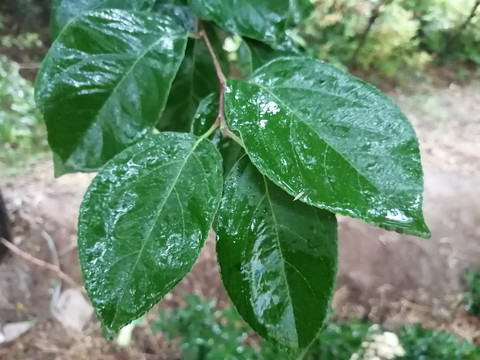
x=207, y=333
x=22, y=133
x=143, y=92
x=472, y=297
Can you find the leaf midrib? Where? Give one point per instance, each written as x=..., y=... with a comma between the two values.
x=277, y=237
x=97, y=117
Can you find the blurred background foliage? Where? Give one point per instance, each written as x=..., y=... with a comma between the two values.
x=22, y=132
x=392, y=36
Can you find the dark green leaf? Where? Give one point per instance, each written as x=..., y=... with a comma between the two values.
x=172, y=2
x=263, y=20
x=105, y=83
x=206, y=115
x=262, y=53
x=144, y=221
x=64, y=11
x=278, y=258
x=331, y=140
x=182, y=14
x=204, y=119
x=244, y=60
x=195, y=80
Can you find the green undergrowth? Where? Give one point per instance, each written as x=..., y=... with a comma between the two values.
x=22, y=132
x=207, y=332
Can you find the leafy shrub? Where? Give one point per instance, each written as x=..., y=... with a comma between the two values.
x=472, y=298
x=407, y=34
x=332, y=30
x=211, y=334
x=423, y=344
x=22, y=133
x=442, y=30
x=27, y=13
x=392, y=44
x=266, y=160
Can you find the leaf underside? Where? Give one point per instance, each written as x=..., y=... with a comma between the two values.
x=195, y=79
x=263, y=20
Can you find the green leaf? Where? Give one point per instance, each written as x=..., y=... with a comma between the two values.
x=172, y=2
x=278, y=258
x=204, y=119
x=195, y=80
x=261, y=53
x=64, y=11
x=105, y=83
x=144, y=221
x=331, y=140
x=263, y=20
x=182, y=14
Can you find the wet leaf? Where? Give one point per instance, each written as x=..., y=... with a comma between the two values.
x=195, y=80
x=184, y=16
x=278, y=258
x=261, y=53
x=204, y=119
x=144, y=221
x=263, y=20
x=331, y=140
x=64, y=11
x=105, y=82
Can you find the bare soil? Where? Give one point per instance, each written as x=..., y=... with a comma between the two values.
x=385, y=277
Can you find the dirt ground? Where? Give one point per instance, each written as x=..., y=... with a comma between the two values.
x=384, y=277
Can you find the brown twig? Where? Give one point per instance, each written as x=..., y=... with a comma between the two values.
x=222, y=81
x=40, y=263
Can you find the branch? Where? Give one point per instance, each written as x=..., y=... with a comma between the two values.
x=470, y=17
x=452, y=40
x=222, y=81
x=40, y=263
x=376, y=13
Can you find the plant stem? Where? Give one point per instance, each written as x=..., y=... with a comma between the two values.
x=210, y=131
x=222, y=81
x=470, y=17
x=33, y=260
x=376, y=12
x=453, y=39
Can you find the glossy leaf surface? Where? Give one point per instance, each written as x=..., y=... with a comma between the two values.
x=331, y=140
x=278, y=258
x=204, y=119
x=64, y=11
x=184, y=16
x=144, y=221
x=261, y=53
x=263, y=20
x=195, y=80
x=105, y=83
